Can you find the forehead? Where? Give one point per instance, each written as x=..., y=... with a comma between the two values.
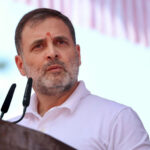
x=39, y=29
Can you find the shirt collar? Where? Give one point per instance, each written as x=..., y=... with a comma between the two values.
x=74, y=100
x=71, y=103
x=32, y=109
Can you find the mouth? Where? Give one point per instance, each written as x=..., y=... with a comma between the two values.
x=55, y=68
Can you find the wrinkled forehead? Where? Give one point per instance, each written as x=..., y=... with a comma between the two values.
x=49, y=28
x=50, y=23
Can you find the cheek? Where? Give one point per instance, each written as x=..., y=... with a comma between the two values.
x=32, y=66
x=33, y=60
x=73, y=60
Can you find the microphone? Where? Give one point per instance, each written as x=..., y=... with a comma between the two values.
x=26, y=98
x=27, y=94
x=7, y=101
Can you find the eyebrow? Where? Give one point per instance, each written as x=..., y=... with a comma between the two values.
x=37, y=42
x=61, y=38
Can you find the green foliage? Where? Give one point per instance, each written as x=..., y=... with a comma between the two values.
x=3, y=65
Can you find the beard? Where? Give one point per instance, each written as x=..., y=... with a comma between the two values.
x=54, y=83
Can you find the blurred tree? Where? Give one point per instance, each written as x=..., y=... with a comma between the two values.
x=3, y=65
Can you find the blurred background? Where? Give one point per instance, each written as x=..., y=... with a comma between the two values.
x=114, y=36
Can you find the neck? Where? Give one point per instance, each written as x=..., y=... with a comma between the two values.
x=46, y=102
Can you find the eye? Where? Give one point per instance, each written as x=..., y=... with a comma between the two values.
x=38, y=46
x=60, y=42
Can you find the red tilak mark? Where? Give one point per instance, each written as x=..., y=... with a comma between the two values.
x=48, y=34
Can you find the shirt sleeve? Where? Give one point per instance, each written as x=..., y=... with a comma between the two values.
x=128, y=133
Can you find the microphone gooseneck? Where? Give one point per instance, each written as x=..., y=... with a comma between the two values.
x=26, y=98
x=7, y=100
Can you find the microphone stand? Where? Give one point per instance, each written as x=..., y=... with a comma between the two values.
x=26, y=98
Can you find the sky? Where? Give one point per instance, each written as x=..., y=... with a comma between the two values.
x=112, y=68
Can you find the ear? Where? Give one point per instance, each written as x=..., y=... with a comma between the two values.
x=78, y=52
x=19, y=63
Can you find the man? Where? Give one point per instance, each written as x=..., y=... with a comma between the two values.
x=62, y=106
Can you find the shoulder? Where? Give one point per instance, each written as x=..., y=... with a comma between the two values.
x=118, y=124
x=102, y=105
x=109, y=111
x=90, y=101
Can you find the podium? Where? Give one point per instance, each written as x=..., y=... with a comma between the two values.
x=15, y=137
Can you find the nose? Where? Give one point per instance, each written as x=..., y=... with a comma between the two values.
x=51, y=52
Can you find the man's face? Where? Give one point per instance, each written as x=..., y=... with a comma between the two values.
x=49, y=56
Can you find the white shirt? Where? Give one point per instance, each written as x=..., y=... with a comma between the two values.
x=89, y=122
